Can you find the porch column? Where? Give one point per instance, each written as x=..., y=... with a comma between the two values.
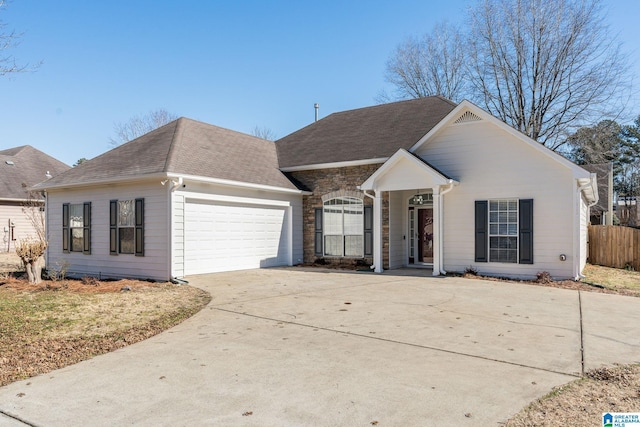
x=436, y=230
x=377, y=232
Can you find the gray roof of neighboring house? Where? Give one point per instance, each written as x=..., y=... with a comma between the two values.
x=25, y=166
x=362, y=134
x=186, y=147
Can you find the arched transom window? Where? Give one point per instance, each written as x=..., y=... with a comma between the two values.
x=343, y=227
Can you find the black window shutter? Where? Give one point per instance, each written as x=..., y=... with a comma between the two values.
x=86, y=231
x=481, y=235
x=368, y=231
x=113, y=227
x=317, y=248
x=139, y=227
x=65, y=227
x=525, y=212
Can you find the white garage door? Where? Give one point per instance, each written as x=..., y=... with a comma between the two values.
x=225, y=237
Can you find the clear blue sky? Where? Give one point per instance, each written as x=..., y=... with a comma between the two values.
x=235, y=64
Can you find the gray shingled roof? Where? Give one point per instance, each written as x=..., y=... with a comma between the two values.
x=186, y=147
x=362, y=134
x=25, y=166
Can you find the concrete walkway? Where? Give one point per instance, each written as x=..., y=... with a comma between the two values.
x=296, y=347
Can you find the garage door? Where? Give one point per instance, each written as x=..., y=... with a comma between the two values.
x=225, y=237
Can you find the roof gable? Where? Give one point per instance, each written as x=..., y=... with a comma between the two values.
x=23, y=167
x=467, y=112
x=371, y=133
x=405, y=171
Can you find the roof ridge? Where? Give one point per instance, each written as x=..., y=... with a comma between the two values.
x=179, y=125
x=400, y=101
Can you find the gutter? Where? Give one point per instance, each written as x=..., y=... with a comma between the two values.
x=372, y=267
x=593, y=184
x=451, y=184
x=175, y=184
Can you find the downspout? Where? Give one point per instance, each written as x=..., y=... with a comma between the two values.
x=441, y=227
x=372, y=197
x=175, y=184
x=576, y=263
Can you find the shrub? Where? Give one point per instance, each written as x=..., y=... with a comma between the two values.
x=544, y=277
x=471, y=271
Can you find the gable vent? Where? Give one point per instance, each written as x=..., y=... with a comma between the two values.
x=467, y=117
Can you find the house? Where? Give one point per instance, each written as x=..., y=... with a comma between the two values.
x=423, y=183
x=602, y=212
x=21, y=168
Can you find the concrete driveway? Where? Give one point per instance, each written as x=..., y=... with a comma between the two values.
x=305, y=347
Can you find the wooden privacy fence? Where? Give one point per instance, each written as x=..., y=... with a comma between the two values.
x=614, y=246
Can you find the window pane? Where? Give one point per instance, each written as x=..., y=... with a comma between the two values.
x=77, y=240
x=76, y=215
x=125, y=240
x=332, y=220
x=126, y=214
x=503, y=249
x=353, y=222
x=333, y=245
x=343, y=219
x=353, y=245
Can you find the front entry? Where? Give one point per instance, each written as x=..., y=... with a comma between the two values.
x=425, y=235
x=420, y=230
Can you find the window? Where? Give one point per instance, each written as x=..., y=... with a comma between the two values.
x=343, y=227
x=76, y=227
x=504, y=231
x=126, y=221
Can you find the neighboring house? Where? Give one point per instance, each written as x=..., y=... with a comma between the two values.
x=424, y=183
x=627, y=211
x=21, y=168
x=602, y=212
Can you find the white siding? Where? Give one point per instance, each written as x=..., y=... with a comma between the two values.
x=155, y=262
x=11, y=213
x=490, y=164
x=397, y=229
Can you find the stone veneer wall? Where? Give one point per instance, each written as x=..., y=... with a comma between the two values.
x=336, y=182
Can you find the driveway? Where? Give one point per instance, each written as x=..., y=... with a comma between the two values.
x=305, y=347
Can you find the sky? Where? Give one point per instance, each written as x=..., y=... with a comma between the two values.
x=235, y=64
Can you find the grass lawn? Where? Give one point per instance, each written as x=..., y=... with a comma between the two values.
x=612, y=278
x=54, y=324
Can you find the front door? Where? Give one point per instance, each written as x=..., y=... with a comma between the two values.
x=425, y=235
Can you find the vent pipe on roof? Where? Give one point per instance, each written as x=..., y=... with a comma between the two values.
x=317, y=107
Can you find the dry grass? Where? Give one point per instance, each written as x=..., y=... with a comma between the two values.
x=582, y=402
x=54, y=324
x=614, y=279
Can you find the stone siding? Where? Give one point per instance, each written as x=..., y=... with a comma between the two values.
x=336, y=182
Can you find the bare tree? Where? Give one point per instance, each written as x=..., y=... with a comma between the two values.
x=264, y=133
x=545, y=67
x=430, y=65
x=31, y=250
x=139, y=125
x=8, y=40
